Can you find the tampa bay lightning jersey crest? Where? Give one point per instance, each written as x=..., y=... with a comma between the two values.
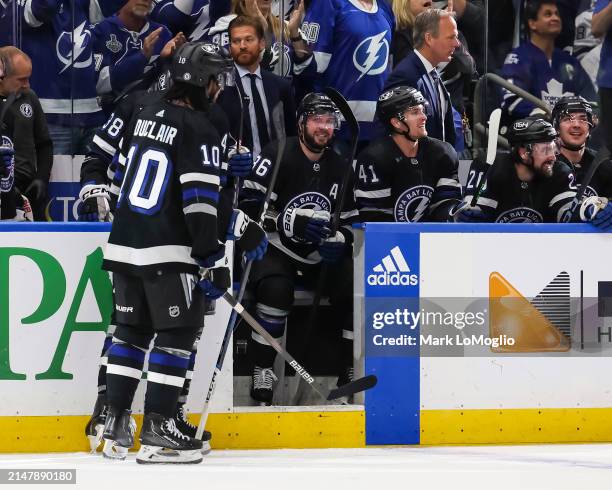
x=412, y=204
x=351, y=51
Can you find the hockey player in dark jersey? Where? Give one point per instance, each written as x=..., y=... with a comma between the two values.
x=100, y=188
x=305, y=194
x=572, y=117
x=406, y=176
x=165, y=230
x=526, y=186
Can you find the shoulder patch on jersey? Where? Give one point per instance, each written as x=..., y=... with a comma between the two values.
x=511, y=59
x=412, y=204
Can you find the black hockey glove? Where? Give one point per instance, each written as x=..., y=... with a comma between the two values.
x=307, y=225
x=249, y=236
x=214, y=282
x=36, y=190
x=94, y=205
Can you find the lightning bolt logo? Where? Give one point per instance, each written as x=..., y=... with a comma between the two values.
x=78, y=42
x=413, y=203
x=372, y=55
x=419, y=211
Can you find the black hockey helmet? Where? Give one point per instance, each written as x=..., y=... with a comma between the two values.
x=569, y=104
x=394, y=102
x=196, y=63
x=317, y=103
x=530, y=130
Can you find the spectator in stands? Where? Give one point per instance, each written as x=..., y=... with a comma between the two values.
x=587, y=47
x=435, y=40
x=264, y=89
x=126, y=47
x=54, y=34
x=29, y=133
x=541, y=69
x=351, y=40
x=601, y=27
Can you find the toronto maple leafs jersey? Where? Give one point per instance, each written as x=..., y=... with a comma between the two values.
x=528, y=67
x=394, y=187
x=192, y=17
x=166, y=216
x=351, y=53
x=300, y=184
x=54, y=34
x=601, y=182
x=118, y=56
x=507, y=199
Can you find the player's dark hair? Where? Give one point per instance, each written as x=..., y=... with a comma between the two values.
x=196, y=96
x=532, y=8
x=246, y=21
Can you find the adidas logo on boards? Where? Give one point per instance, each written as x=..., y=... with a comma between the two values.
x=393, y=271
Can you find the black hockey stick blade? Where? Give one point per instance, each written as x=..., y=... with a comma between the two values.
x=342, y=105
x=361, y=384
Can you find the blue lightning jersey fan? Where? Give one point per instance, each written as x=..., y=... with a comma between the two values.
x=118, y=53
x=351, y=52
x=528, y=67
x=193, y=17
x=54, y=34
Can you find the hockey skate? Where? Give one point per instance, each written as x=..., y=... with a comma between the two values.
x=263, y=379
x=187, y=428
x=162, y=442
x=118, y=433
x=95, y=425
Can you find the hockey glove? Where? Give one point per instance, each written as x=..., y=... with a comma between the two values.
x=306, y=225
x=598, y=211
x=36, y=190
x=216, y=259
x=332, y=249
x=94, y=205
x=249, y=236
x=23, y=210
x=215, y=282
x=239, y=164
x=463, y=213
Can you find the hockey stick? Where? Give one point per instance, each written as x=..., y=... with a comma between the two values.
x=278, y=121
x=494, y=121
x=348, y=389
x=577, y=201
x=341, y=103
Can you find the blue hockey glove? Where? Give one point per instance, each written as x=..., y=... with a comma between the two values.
x=239, y=164
x=215, y=282
x=598, y=211
x=332, y=249
x=215, y=259
x=249, y=236
x=306, y=225
x=95, y=203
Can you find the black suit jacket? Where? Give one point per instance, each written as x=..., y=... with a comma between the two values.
x=277, y=89
x=411, y=72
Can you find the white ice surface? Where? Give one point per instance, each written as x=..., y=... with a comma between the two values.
x=576, y=467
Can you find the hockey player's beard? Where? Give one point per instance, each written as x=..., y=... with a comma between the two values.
x=311, y=143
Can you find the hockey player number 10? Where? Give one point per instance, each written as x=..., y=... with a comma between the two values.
x=151, y=175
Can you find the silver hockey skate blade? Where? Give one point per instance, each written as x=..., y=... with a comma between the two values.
x=96, y=440
x=112, y=451
x=162, y=455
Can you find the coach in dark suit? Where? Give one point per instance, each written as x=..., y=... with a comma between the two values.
x=435, y=39
x=261, y=90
